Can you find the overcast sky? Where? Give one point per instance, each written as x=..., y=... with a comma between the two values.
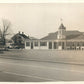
x=38, y=20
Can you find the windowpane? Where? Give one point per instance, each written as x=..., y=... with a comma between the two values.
x=35, y=43
x=43, y=43
x=27, y=43
x=68, y=43
x=55, y=45
x=83, y=44
x=77, y=43
x=50, y=45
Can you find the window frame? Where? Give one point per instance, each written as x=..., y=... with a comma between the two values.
x=43, y=43
x=35, y=44
x=27, y=44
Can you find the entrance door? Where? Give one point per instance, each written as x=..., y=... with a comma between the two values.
x=31, y=45
x=50, y=45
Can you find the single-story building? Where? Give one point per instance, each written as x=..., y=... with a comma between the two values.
x=60, y=40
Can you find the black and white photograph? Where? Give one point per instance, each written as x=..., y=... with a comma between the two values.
x=41, y=42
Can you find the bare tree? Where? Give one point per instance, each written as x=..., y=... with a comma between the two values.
x=4, y=31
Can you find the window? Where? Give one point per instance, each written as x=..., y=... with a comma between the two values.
x=50, y=45
x=55, y=45
x=35, y=43
x=83, y=44
x=68, y=43
x=62, y=45
x=73, y=44
x=43, y=43
x=27, y=43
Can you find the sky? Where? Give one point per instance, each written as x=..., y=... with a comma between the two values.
x=39, y=19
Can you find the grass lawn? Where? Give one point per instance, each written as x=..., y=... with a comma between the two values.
x=65, y=56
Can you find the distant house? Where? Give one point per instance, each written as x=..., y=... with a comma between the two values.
x=19, y=40
x=59, y=40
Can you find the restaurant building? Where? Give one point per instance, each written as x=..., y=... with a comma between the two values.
x=60, y=40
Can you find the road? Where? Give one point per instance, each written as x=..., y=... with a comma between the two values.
x=32, y=71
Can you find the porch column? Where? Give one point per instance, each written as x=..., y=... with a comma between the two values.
x=81, y=45
x=39, y=44
x=76, y=45
x=57, y=45
x=47, y=44
x=65, y=45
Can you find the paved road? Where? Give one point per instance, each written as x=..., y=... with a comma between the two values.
x=32, y=71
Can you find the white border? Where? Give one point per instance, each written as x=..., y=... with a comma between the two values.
x=41, y=1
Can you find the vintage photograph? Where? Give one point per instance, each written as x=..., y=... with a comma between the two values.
x=41, y=42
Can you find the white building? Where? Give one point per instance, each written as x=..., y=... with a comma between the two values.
x=60, y=40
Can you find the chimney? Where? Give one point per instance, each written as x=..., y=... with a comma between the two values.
x=22, y=32
x=19, y=32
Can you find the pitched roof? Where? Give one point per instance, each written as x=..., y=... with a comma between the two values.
x=72, y=34
x=75, y=32
x=80, y=37
x=33, y=38
x=68, y=34
x=51, y=36
x=23, y=35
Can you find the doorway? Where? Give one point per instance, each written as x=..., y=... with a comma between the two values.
x=31, y=45
x=50, y=45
